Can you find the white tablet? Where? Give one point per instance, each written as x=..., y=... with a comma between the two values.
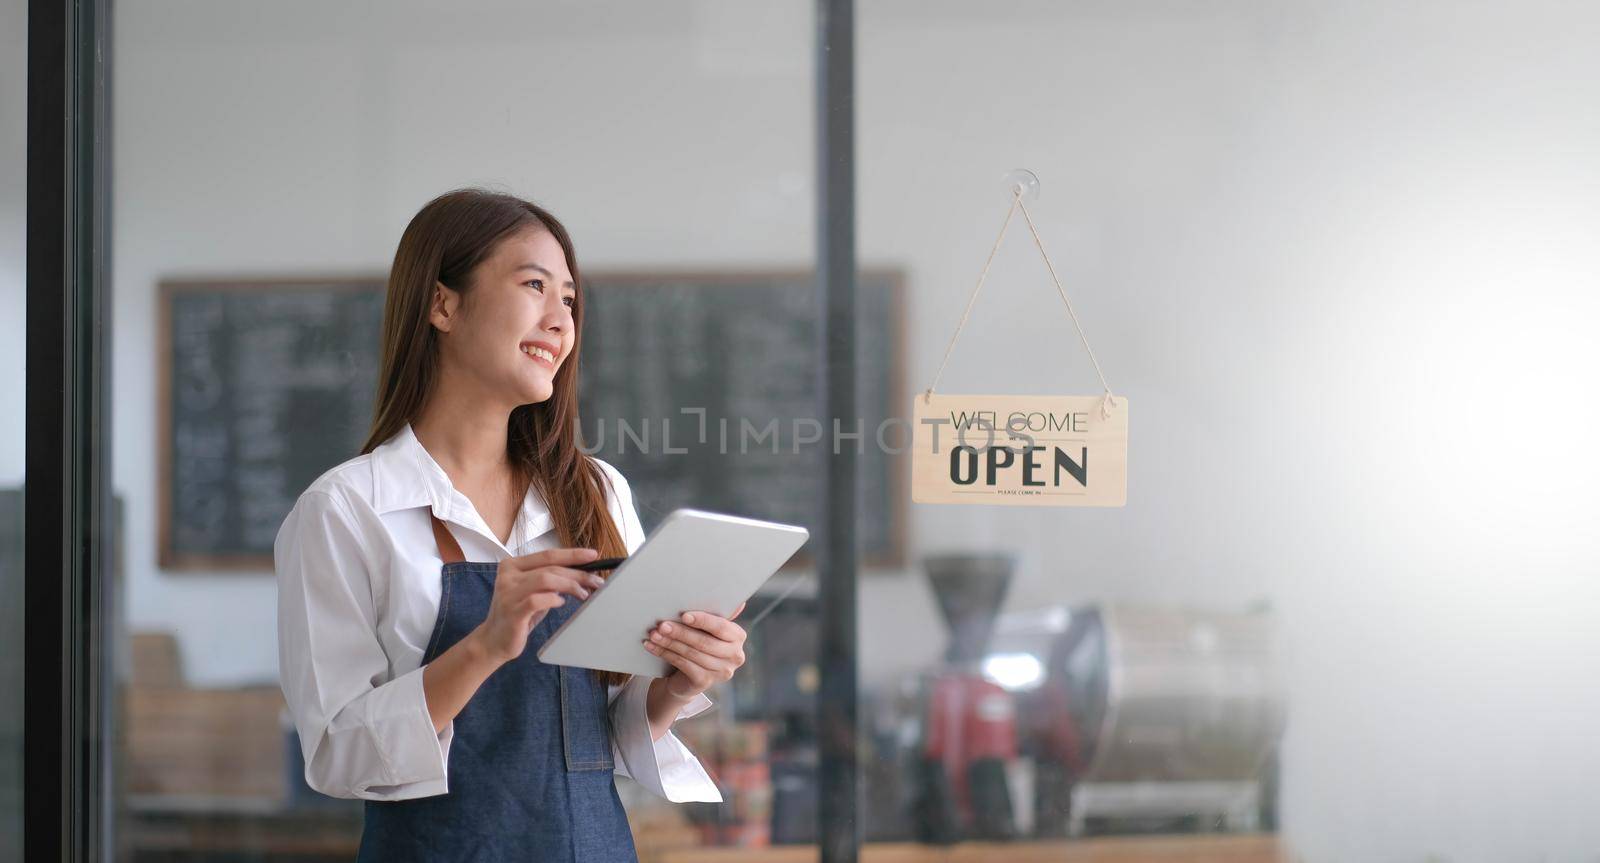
x=692, y=561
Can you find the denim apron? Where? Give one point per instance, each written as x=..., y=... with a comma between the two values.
x=530, y=760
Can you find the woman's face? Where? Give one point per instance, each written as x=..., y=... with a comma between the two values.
x=516, y=328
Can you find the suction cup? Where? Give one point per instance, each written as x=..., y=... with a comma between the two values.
x=1024, y=181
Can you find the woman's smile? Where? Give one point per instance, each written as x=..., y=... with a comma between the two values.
x=541, y=352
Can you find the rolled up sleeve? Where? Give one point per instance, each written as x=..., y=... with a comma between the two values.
x=362, y=735
x=664, y=767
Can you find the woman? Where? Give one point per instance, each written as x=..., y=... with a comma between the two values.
x=416, y=581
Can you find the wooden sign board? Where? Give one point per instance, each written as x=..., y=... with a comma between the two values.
x=1019, y=450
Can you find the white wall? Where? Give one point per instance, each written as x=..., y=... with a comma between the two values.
x=1339, y=257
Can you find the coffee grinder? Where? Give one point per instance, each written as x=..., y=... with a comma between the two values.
x=969, y=727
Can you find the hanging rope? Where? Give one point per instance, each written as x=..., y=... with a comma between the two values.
x=1108, y=401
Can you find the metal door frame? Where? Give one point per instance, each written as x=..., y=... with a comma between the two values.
x=66, y=652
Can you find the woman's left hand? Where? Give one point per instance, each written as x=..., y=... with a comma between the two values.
x=703, y=648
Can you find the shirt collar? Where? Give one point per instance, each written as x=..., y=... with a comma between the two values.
x=404, y=475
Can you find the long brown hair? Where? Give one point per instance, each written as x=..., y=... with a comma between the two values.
x=445, y=242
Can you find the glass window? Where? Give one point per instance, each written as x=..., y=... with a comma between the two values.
x=13, y=278
x=1314, y=248
x=1338, y=261
x=266, y=166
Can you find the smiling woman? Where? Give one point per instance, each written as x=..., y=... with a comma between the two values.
x=474, y=282
x=522, y=297
x=418, y=579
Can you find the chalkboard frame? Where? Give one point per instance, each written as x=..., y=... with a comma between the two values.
x=168, y=290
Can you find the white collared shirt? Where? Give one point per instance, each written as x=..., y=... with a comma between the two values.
x=358, y=594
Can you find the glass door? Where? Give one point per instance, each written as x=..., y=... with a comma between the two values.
x=13, y=280
x=269, y=161
x=1338, y=261
x=1335, y=258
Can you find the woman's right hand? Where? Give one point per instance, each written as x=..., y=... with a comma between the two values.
x=525, y=589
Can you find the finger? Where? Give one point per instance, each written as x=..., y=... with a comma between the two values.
x=588, y=579
x=555, y=557
x=736, y=611
x=540, y=602
x=671, y=658
x=546, y=581
x=698, y=676
x=554, y=577
x=693, y=637
x=718, y=626
x=712, y=664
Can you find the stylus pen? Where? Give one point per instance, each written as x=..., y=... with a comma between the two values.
x=597, y=565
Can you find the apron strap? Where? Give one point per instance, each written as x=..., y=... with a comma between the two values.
x=449, y=549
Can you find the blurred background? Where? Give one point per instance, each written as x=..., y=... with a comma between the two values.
x=1339, y=257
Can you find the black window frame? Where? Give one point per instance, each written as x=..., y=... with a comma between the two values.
x=66, y=685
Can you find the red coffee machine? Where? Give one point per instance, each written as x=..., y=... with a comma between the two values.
x=970, y=728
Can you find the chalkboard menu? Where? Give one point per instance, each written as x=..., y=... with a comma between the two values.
x=703, y=390
x=267, y=384
x=264, y=386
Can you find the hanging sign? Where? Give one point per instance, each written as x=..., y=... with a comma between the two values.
x=1050, y=450
x=1020, y=450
